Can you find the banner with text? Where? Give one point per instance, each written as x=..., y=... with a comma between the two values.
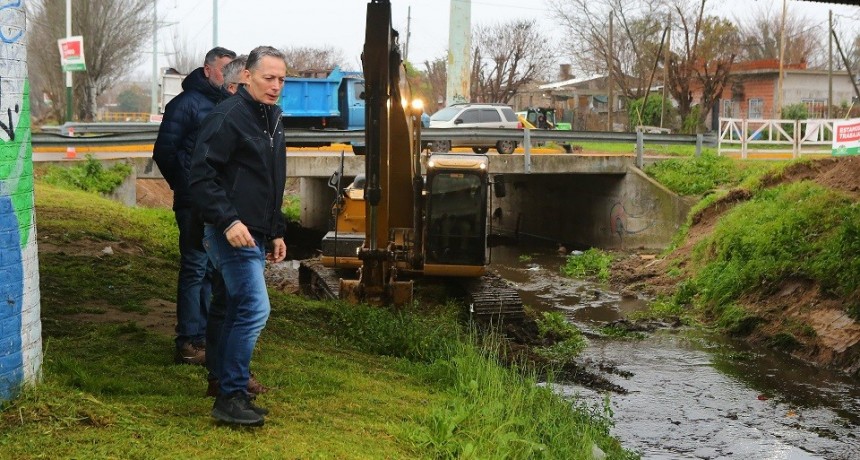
x=72, y=54
x=846, y=137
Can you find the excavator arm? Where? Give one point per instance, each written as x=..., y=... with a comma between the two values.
x=390, y=166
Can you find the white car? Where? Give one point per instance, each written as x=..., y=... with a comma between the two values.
x=475, y=116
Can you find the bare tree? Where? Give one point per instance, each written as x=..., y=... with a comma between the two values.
x=437, y=76
x=702, y=56
x=637, y=29
x=302, y=58
x=506, y=57
x=184, y=57
x=113, y=32
x=805, y=41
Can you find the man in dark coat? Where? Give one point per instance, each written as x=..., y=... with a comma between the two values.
x=201, y=91
x=237, y=179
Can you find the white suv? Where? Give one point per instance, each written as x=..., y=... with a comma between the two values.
x=475, y=116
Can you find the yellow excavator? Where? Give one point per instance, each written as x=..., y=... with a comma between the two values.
x=409, y=215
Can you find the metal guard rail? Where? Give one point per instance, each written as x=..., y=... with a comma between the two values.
x=429, y=134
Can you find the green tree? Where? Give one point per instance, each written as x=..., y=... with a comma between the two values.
x=703, y=51
x=650, y=115
x=133, y=99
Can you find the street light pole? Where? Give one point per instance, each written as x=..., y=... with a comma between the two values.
x=68, y=73
x=214, y=23
x=153, y=89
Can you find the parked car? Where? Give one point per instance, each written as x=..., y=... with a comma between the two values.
x=475, y=116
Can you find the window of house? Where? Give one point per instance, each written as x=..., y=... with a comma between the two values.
x=756, y=108
x=727, y=109
x=816, y=108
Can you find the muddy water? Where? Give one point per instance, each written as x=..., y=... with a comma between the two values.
x=693, y=395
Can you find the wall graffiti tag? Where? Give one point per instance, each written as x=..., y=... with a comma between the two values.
x=20, y=326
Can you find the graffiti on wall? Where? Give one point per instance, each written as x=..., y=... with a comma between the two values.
x=20, y=327
x=621, y=223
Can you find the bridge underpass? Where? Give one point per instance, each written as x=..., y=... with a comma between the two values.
x=579, y=200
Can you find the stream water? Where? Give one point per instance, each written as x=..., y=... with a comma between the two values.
x=694, y=395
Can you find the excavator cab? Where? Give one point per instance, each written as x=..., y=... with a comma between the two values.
x=456, y=214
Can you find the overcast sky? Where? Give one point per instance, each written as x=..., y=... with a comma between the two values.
x=244, y=24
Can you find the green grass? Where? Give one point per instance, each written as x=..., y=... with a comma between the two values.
x=292, y=208
x=708, y=172
x=567, y=340
x=348, y=381
x=650, y=149
x=795, y=230
x=89, y=176
x=592, y=263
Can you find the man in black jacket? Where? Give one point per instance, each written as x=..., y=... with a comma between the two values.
x=201, y=90
x=238, y=174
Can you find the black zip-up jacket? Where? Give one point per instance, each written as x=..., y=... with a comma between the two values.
x=178, y=132
x=239, y=166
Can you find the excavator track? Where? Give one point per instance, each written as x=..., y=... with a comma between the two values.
x=490, y=297
x=318, y=281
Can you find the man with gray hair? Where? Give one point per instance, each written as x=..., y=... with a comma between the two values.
x=234, y=74
x=238, y=174
x=233, y=78
x=201, y=90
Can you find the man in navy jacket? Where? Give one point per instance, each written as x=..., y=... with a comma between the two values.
x=201, y=91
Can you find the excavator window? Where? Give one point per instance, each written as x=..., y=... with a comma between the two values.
x=456, y=217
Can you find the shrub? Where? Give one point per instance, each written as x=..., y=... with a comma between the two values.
x=89, y=176
x=592, y=263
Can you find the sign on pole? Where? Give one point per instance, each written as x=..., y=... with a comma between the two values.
x=72, y=53
x=846, y=137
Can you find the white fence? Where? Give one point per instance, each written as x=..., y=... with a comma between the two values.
x=775, y=139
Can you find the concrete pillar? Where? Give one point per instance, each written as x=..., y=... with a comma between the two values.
x=20, y=326
x=316, y=201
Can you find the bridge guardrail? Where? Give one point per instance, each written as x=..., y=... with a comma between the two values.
x=147, y=132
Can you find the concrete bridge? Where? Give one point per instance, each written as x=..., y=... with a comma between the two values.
x=582, y=200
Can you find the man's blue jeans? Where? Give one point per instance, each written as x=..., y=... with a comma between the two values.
x=194, y=287
x=247, y=306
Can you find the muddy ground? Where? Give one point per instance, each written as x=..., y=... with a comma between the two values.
x=836, y=339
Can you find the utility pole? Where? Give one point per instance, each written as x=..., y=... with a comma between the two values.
x=609, y=78
x=665, y=68
x=214, y=23
x=778, y=110
x=830, y=63
x=408, y=32
x=153, y=89
x=68, y=73
x=458, y=89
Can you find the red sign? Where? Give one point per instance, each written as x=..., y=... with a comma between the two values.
x=72, y=53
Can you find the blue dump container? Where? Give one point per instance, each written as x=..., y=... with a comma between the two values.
x=312, y=97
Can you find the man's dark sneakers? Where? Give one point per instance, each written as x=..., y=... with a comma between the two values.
x=236, y=409
x=189, y=353
x=214, y=391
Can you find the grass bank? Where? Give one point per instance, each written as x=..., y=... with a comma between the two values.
x=348, y=381
x=775, y=258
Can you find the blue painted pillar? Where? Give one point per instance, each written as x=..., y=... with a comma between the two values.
x=20, y=326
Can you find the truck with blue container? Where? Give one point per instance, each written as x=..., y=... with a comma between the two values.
x=331, y=102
